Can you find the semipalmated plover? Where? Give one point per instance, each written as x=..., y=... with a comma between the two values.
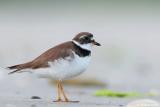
x=61, y=62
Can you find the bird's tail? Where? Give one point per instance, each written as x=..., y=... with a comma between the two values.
x=19, y=67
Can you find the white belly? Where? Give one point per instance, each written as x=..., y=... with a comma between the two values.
x=64, y=69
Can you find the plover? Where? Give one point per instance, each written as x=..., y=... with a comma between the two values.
x=61, y=62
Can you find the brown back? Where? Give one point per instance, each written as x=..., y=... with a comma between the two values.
x=60, y=51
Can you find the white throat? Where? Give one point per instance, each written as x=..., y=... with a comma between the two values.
x=83, y=46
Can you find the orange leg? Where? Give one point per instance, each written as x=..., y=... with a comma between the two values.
x=64, y=95
x=59, y=92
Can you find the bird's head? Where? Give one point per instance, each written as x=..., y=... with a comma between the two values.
x=85, y=40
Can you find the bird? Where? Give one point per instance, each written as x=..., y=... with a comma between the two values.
x=62, y=62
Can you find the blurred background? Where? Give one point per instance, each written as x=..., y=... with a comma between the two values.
x=129, y=32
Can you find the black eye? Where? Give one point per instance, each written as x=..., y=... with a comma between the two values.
x=86, y=38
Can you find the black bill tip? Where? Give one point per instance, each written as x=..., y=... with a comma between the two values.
x=96, y=43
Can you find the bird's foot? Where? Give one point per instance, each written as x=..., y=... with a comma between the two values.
x=66, y=101
x=58, y=100
x=72, y=101
x=69, y=101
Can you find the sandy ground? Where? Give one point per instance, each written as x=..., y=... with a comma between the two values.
x=17, y=90
x=85, y=102
x=84, y=95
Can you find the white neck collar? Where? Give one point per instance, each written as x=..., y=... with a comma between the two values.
x=83, y=46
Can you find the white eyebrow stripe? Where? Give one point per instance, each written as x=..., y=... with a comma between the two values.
x=82, y=36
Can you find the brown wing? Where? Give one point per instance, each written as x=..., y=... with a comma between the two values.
x=60, y=51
